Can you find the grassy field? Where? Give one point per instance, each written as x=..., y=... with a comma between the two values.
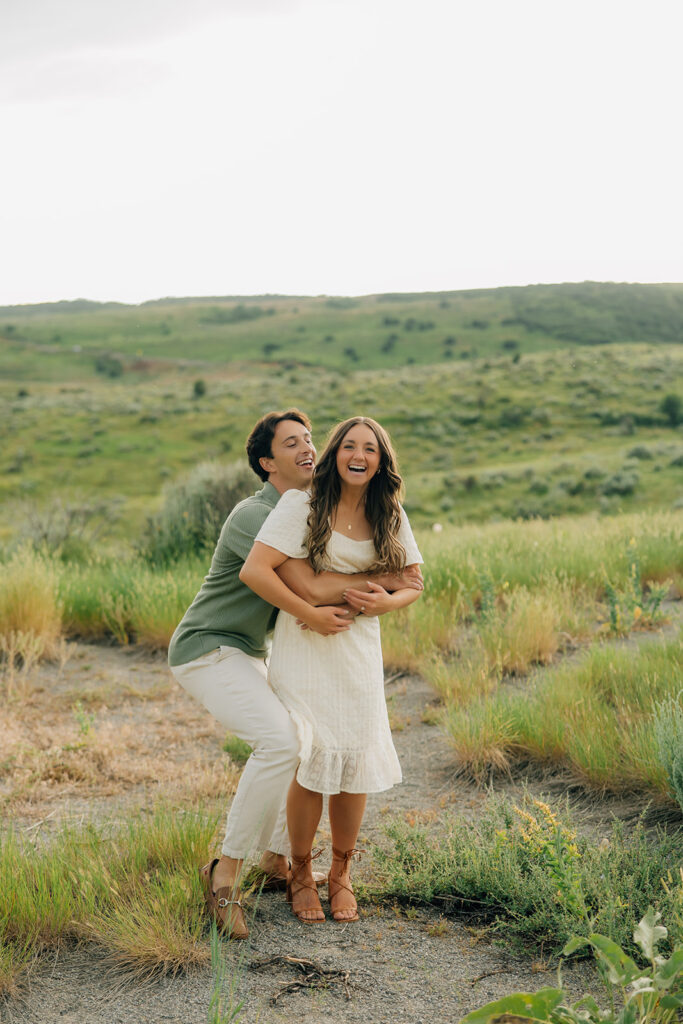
x=544, y=475
x=488, y=438
x=500, y=601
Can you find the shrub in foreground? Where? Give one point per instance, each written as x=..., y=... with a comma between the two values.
x=645, y=995
x=524, y=871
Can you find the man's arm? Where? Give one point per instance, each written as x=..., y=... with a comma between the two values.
x=258, y=573
x=328, y=587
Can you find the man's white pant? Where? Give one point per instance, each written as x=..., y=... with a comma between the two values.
x=232, y=686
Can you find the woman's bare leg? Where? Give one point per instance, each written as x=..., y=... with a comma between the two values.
x=346, y=815
x=304, y=808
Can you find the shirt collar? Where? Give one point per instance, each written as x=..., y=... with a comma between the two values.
x=270, y=494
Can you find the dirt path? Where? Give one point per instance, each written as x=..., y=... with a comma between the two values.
x=400, y=970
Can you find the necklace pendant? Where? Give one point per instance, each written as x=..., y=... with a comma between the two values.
x=349, y=527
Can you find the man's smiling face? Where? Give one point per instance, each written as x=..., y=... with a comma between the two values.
x=292, y=461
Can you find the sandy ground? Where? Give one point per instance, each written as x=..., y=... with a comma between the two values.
x=146, y=739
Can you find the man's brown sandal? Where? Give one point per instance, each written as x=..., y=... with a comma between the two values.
x=221, y=904
x=335, y=887
x=298, y=867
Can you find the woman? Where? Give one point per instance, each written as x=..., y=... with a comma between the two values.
x=333, y=686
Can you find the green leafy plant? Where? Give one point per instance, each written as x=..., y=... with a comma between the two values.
x=85, y=719
x=630, y=604
x=487, y=590
x=553, y=845
x=636, y=995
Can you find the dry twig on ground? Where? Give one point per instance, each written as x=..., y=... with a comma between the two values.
x=312, y=975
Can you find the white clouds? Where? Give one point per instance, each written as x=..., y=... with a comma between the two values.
x=31, y=28
x=74, y=77
x=343, y=147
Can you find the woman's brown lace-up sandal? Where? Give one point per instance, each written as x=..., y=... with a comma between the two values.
x=296, y=885
x=335, y=886
x=267, y=881
x=225, y=909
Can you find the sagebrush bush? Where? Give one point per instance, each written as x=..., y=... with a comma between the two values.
x=640, y=451
x=624, y=482
x=194, y=509
x=68, y=529
x=668, y=731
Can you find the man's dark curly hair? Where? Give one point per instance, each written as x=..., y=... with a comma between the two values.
x=260, y=441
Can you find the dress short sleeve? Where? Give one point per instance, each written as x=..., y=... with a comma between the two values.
x=405, y=537
x=285, y=528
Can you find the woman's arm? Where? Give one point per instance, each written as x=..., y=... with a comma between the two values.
x=329, y=587
x=258, y=573
x=378, y=601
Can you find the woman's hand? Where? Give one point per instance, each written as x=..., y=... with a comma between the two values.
x=376, y=602
x=344, y=609
x=327, y=620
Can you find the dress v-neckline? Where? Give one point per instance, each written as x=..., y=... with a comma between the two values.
x=366, y=540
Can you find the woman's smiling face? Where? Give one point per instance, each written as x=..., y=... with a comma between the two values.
x=358, y=456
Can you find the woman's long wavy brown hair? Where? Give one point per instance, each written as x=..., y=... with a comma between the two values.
x=382, y=501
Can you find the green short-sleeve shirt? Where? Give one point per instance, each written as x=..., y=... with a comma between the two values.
x=225, y=611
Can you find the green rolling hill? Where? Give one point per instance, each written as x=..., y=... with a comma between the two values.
x=502, y=402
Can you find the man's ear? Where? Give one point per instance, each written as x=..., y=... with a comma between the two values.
x=262, y=463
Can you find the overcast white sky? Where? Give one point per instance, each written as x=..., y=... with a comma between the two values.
x=162, y=147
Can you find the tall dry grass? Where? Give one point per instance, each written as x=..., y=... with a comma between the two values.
x=595, y=717
x=29, y=603
x=528, y=588
x=133, y=890
x=583, y=551
x=524, y=632
x=30, y=617
x=130, y=600
x=133, y=602
x=521, y=629
x=412, y=634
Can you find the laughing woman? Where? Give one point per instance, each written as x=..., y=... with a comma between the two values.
x=333, y=686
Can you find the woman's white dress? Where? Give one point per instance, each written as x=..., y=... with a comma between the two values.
x=333, y=687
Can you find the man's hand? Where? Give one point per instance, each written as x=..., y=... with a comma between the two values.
x=376, y=602
x=410, y=579
x=328, y=620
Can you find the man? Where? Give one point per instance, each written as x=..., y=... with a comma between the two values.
x=218, y=652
